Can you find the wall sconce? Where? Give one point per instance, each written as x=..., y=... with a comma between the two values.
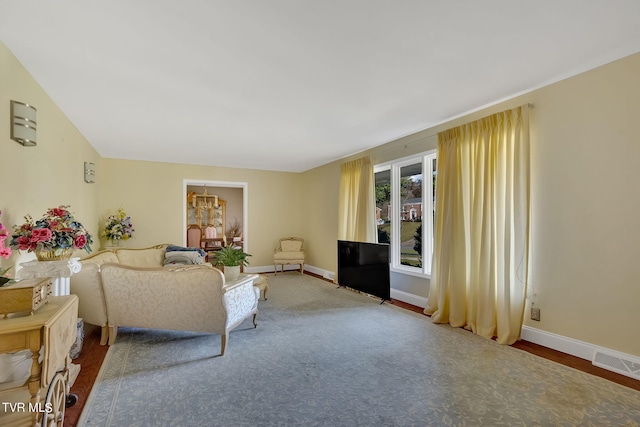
x=23, y=123
x=89, y=173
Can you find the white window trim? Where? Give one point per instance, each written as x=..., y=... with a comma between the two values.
x=427, y=212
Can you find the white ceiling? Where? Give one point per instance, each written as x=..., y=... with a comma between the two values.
x=293, y=84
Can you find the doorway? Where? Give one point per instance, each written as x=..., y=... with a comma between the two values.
x=233, y=221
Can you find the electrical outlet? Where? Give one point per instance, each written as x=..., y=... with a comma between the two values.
x=535, y=313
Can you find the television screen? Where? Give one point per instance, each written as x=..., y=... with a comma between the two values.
x=364, y=267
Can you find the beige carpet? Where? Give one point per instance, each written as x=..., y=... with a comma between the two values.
x=322, y=356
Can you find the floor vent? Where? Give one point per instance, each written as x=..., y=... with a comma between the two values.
x=622, y=364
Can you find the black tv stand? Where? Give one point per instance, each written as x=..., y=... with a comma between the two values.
x=382, y=300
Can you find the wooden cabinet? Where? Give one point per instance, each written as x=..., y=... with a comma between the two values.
x=53, y=328
x=24, y=296
x=218, y=217
x=206, y=209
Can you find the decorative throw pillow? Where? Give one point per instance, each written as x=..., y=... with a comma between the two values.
x=183, y=257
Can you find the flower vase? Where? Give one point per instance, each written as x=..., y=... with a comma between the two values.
x=113, y=244
x=76, y=348
x=231, y=273
x=50, y=254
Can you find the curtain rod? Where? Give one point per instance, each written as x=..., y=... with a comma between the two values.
x=406, y=145
x=423, y=139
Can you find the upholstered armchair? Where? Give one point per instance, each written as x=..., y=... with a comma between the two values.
x=290, y=250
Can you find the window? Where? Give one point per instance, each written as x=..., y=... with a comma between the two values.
x=405, y=206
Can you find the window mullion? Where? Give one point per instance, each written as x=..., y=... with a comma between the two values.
x=425, y=213
x=395, y=215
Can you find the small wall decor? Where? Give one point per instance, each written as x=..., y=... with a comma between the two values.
x=23, y=123
x=89, y=173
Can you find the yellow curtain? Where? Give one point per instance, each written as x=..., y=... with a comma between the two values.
x=481, y=231
x=357, y=202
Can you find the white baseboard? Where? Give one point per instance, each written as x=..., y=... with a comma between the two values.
x=612, y=360
x=310, y=268
x=409, y=298
x=561, y=343
x=326, y=274
x=259, y=269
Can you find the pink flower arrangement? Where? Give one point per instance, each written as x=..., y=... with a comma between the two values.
x=4, y=252
x=57, y=230
x=4, y=233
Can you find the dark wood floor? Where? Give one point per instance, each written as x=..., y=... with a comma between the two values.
x=90, y=361
x=93, y=354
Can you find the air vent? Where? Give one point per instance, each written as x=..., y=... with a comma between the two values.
x=622, y=364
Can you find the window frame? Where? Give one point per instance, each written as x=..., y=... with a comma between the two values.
x=426, y=158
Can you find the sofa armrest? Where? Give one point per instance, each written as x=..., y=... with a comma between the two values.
x=240, y=300
x=87, y=285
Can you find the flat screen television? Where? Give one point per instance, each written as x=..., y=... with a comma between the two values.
x=365, y=267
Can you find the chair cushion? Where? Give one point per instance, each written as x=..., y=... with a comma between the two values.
x=288, y=256
x=290, y=245
x=141, y=257
x=100, y=258
x=210, y=233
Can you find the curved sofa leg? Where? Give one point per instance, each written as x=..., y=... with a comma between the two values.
x=223, y=342
x=255, y=323
x=104, y=335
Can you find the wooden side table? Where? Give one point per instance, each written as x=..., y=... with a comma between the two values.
x=52, y=327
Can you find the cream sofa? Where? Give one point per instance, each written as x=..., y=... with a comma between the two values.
x=88, y=285
x=191, y=298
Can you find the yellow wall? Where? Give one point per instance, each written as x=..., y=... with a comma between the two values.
x=34, y=179
x=585, y=194
x=152, y=194
x=586, y=206
x=585, y=174
x=320, y=215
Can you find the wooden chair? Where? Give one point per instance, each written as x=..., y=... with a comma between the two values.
x=194, y=236
x=211, y=242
